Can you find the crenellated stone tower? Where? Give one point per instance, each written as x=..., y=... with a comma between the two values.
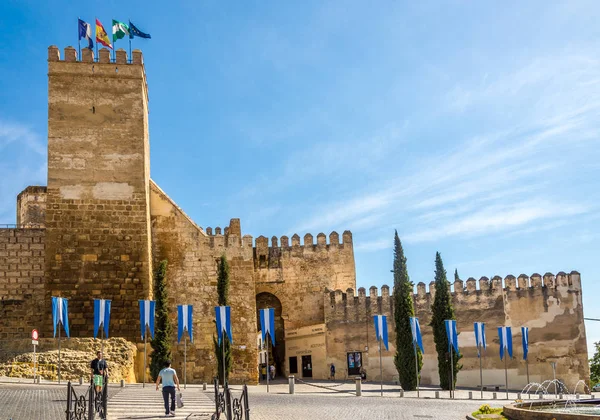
x=97, y=204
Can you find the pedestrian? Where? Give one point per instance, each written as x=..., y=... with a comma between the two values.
x=263, y=371
x=332, y=371
x=272, y=372
x=99, y=371
x=169, y=381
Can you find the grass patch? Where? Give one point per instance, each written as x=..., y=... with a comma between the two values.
x=488, y=412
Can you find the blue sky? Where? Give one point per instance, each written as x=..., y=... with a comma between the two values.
x=470, y=127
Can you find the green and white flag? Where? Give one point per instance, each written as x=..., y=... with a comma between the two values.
x=120, y=30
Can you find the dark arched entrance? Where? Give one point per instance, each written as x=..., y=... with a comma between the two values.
x=276, y=354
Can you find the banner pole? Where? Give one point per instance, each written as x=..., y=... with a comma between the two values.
x=223, y=357
x=102, y=340
x=451, y=372
x=59, y=324
x=416, y=366
x=145, y=361
x=527, y=368
x=268, y=367
x=380, y=367
x=506, y=373
x=480, y=369
x=184, y=362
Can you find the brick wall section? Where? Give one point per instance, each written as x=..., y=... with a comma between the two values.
x=97, y=216
x=192, y=279
x=31, y=207
x=551, y=306
x=21, y=281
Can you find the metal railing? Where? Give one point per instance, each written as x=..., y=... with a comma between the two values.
x=88, y=405
x=231, y=408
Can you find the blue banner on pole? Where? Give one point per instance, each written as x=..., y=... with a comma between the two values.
x=184, y=321
x=60, y=314
x=223, y=318
x=452, y=334
x=416, y=333
x=525, y=340
x=267, y=324
x=381, y=330
x=101, y=316
x=479, y=337
x=147, y=317
x=505, y=335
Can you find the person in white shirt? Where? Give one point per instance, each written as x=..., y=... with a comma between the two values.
x=169, y=380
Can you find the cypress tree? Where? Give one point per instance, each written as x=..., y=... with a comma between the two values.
x=161, y=344
x=456, y=278
x=441, y=310
x=403, y=310
x=223, y=300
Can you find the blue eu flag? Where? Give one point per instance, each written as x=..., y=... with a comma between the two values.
x=134, y=31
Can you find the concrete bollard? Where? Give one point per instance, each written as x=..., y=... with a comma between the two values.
x=519, y=396
x=122, y=383
x=541, y=396
x=292, y=381
x=560, y=396
x=204, y=386
x=494, y=396
x=437, y=394
x=401, y=393
x=358, y=386
x=81, y=380
x=577, y=396
x=470, y=395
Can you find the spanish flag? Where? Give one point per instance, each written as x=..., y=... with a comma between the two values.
x=101, y=35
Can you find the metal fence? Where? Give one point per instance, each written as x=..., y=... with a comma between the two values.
x=90, y=405
x=227, y=407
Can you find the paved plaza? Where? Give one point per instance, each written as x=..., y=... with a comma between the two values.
x=318, y=400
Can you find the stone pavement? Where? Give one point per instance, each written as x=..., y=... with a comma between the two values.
x=135, y=402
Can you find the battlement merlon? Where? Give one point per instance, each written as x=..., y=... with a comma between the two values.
x=510, y=283
x=121, y=67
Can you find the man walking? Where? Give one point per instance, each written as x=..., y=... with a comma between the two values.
x=169, y=380
x=99, y=371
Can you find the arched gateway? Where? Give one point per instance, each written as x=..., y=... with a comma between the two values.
x=276, y=354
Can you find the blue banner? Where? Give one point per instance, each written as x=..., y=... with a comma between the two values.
x=381, y=330
x=479, y=337
x=223, y=317
x=416, y=333
x=60, y=314
x=452, y=334
x=101, y=316
x=184, y=321
x=505, y=335
x=267, y=324
x=525, y=340
x=147, y=317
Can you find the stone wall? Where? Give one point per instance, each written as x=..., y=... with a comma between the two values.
x=298, y=274
x=192, y=279
x=550, y=306
x=22, y=290
x=31, y=207
x=97, y=215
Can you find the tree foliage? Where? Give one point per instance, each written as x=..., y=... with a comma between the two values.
x=403, y=310
x=161, y=344
x=595, y=366
x=442, y=310
x=223, y=300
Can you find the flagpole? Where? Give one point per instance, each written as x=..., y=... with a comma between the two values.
x=380, y=366
x=102, y=339
x=223, y=356
x=480, y=369
x=451, y=372
x=416, y=366
x=268, y=367
x=78, y=37
x=506, y=373
x=59, y=324
x=145, y=361
x=527, y=367
x=184, y=362
x=97, y=59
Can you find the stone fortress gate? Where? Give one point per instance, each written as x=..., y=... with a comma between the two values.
x=101, y=224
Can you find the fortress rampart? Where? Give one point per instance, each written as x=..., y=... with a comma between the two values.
x=549, y=305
